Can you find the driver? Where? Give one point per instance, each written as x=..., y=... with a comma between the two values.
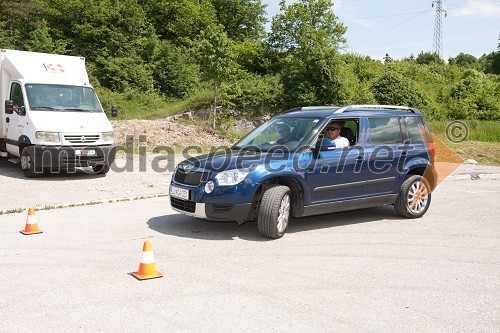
x=333, y=133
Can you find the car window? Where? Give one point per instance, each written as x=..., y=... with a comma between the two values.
x=384, y=131
x=415, y=129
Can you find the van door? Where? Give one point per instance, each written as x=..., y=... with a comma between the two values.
x=15, y=121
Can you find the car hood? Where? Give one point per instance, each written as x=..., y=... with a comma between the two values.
x=232, y=159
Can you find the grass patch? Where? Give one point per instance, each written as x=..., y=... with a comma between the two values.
x=486, y=131
x=481, y=145
x=135, y=104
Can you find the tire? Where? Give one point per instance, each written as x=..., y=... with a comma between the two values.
x=101, y=168
x=414, y=197
x=274, y=212
x=27, y=164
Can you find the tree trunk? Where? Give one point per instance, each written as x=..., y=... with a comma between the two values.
x=215, y=100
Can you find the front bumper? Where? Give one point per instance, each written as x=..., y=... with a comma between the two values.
x=216, y=212
x=65, y=157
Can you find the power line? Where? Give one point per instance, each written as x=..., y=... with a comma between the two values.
x=393, y=27
x=424, y=11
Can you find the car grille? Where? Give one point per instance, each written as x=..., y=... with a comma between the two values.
x=184, y=205
x=190, y=178
x=78, y=139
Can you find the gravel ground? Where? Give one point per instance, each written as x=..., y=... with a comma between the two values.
x=161, y=132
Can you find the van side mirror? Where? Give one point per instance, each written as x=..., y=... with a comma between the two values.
x=114, y=111
x=9, y=107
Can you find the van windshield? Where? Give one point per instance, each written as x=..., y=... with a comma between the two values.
x=52, y=97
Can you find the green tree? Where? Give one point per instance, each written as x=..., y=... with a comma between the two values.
x=214, y=50
x=393, y=88
x=491, y=62
x=179, y=21
x=253, y=94
x=306, y=25
x=175, y=72
x=464, y=60
x=17, y=19
x=306, y=36
x=426, y=58
x=475, y=96
x=40, y=40
x=114, y=36
x=242, y=19
x=387, y=59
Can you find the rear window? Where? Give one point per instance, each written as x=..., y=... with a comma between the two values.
x=415, y=129
x=385, y=131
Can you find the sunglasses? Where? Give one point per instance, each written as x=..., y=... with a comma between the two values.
x=333, y=128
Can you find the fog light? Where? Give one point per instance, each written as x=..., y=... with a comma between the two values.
x=209, y=187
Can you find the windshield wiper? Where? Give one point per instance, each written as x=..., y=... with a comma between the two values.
x=78, y=110
x=43, y=108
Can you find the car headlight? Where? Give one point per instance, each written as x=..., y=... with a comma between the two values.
x=107, y=137
x=231, y=177
x=48, y=137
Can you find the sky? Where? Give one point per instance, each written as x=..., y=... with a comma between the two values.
x=401, y=28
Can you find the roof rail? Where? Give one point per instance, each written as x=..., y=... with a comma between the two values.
x=368, y=106
x=313, y=108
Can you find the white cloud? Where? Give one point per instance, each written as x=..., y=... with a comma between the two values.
x=476, y=8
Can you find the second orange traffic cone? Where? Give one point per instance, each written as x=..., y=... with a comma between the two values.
x=31, y=224
x=147, y=267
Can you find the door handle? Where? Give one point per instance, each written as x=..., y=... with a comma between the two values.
x=359, y=159
x=7, y=120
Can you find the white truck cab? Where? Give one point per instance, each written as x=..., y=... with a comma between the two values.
x=50, y=116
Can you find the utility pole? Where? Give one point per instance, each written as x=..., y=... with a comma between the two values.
x=437, y=46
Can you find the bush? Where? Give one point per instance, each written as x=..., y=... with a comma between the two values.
x=175, y=73
x=253, y=94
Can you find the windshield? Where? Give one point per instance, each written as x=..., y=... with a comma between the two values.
x=278, y=132
x=53, y=97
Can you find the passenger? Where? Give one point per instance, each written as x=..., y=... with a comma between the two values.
x=333, y=133
x=284, y=132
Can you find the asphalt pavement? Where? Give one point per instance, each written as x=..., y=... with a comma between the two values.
x=360, y=271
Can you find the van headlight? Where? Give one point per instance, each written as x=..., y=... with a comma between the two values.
x=107, y=137
x=231, y=177
x=48, y=137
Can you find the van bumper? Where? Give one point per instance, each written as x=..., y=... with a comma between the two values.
x=70, y=157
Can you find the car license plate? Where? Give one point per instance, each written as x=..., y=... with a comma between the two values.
x=85, y=152
x=180, y=193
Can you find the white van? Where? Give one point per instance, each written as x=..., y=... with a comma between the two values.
x=50, y=115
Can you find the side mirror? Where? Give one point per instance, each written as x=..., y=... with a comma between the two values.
x=9, y=107
x=22, y=111
x=325, y=144
x=114, y=111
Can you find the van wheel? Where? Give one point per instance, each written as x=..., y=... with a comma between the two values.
x=27, y=164
x=414, y=197
x=101, y=168
x=274, y=212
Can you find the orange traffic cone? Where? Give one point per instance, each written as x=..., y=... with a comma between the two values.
x=31, y=224
x=147, y=267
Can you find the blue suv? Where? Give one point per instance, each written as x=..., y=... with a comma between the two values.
x=291, y=166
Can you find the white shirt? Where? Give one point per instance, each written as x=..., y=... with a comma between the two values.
x=341, y=142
